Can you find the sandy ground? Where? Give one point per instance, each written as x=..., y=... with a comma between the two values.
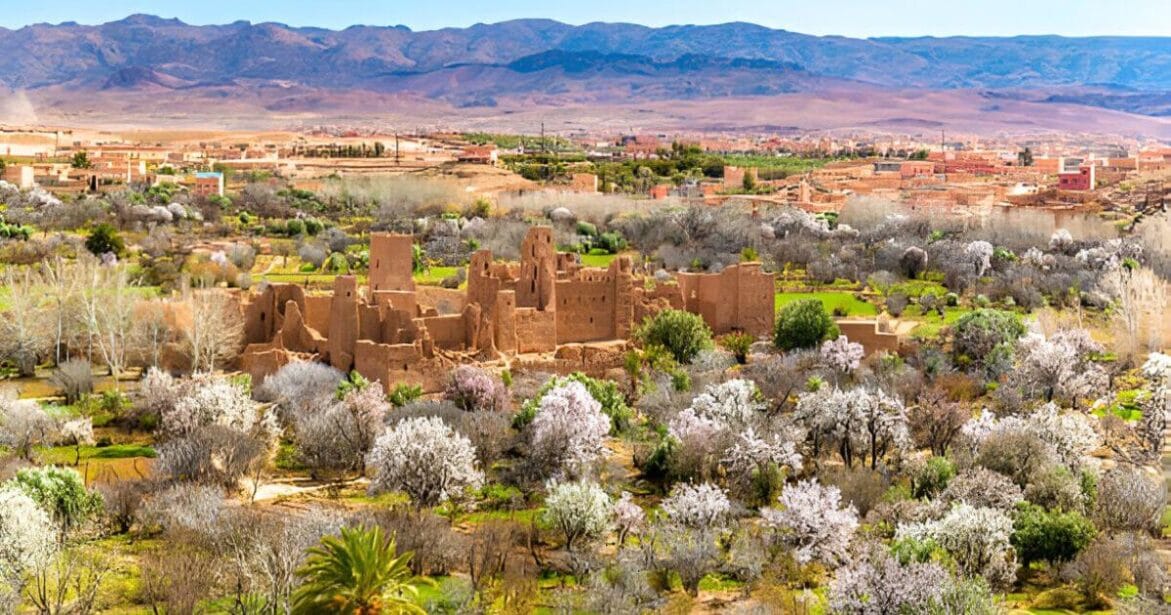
x=909, y=112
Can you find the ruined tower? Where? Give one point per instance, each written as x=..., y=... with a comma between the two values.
x=391, y=262
x=535, y=286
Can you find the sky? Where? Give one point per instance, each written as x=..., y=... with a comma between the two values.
x=856, y=18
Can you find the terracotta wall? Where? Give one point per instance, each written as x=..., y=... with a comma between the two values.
x=391, y=262
x=867, y=333
x=585, y=311
x=739, y=298
x=536, y=330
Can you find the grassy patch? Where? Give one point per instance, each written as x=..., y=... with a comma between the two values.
x=524, y=516
x=597, y=260
x=435, y=275
x=64, y=455
x=719, y=583
x=932, y=324
x=833, y=300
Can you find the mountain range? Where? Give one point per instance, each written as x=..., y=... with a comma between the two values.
x=525, y=63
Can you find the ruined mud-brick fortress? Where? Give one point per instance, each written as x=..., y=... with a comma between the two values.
x=546, y=312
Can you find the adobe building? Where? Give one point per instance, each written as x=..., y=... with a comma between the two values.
x=392, y=332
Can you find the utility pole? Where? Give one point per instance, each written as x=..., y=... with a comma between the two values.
x=396, y=159
x=544, y=150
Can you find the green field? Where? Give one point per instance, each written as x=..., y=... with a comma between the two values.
x=931, y=323
x=435, y=275
x=832, y=300
x=597, y=260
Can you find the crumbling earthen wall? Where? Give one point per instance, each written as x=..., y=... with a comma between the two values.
x=390, y=335
x=535, y=284
x=739, y=298
x=870, y=335
x=391, y=262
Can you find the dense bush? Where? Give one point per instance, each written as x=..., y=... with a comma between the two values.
x=803, y=324
x=1041, y=535
x=682, y=333
x=977, y=334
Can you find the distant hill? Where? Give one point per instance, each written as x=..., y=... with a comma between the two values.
x=547, y=62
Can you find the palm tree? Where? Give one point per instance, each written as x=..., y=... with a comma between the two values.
x=357, y=573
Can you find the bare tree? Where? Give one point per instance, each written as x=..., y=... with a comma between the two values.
x=108, y=310
x=24, y=329
x=1140, y=300
x=63, y=282
x=215, y=330
x=152, y=331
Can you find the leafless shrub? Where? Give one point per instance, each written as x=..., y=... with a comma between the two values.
x=121, y=502
x=438, y=549
x=212, y=455
x=1129, y=500
x=861, y=487
x=177, y=577
x=74, y=378
x=300, y=387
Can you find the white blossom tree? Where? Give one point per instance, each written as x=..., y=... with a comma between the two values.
x=580, y=510
x=751, y=453
x=878, y=584
x=977, y=538
x=338, y=438
x=569, y=430
x=77, y=432
x=426, y=459
x=1070, y=435
x=24, y=424
x=629, y=517
x=842, y=355
x=979, y=253
x=982, y=488
x=28, y=540
x=813, y=521
x=697, y=506
x=1060, y=366
x=208, y=400
x=735, y=403
x=859, y=421
x=1157, y=405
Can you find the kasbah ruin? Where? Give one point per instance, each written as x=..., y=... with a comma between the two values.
x=547, y=312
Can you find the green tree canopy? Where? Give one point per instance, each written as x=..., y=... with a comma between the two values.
x=804, y=324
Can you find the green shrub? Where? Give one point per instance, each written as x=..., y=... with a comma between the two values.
x=294, y=227
x=104, y=238
x=587, y=229
x=403, y=394
x=612, y=243
x=60, y=492
x=738, y=344
x=978, y=333
x=933, y=477
x=681, y=333
x=1040, y=535
x=803, y=324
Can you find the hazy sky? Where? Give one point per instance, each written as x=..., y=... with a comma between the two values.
x=857, y=18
